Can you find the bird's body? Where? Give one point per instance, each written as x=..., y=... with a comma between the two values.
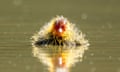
x=59, y=31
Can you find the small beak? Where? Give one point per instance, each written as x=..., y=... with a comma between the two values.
x=60, y=30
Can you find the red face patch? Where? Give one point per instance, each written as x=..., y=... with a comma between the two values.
x=59, y=27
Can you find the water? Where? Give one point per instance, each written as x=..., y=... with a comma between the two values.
x=20, y=19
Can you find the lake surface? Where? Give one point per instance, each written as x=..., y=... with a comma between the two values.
x=98, y=19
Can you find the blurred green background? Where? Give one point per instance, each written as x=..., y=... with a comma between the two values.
x=98, y=19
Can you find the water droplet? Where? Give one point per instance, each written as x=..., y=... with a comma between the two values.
x=109, y=25
x=27, y=67
x=9, y=62
x=92, y=54
x=91, y=62
x=93, y=69
x=20, y=55
x=110, y=57
x=14, y=65
x=118, y=70
x=84, y=16
x=17, y=2
x=119, y=58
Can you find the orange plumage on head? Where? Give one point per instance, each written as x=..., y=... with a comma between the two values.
x=59, y=27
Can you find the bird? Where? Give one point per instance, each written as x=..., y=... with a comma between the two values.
x=59, y=44
x=59, y=31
